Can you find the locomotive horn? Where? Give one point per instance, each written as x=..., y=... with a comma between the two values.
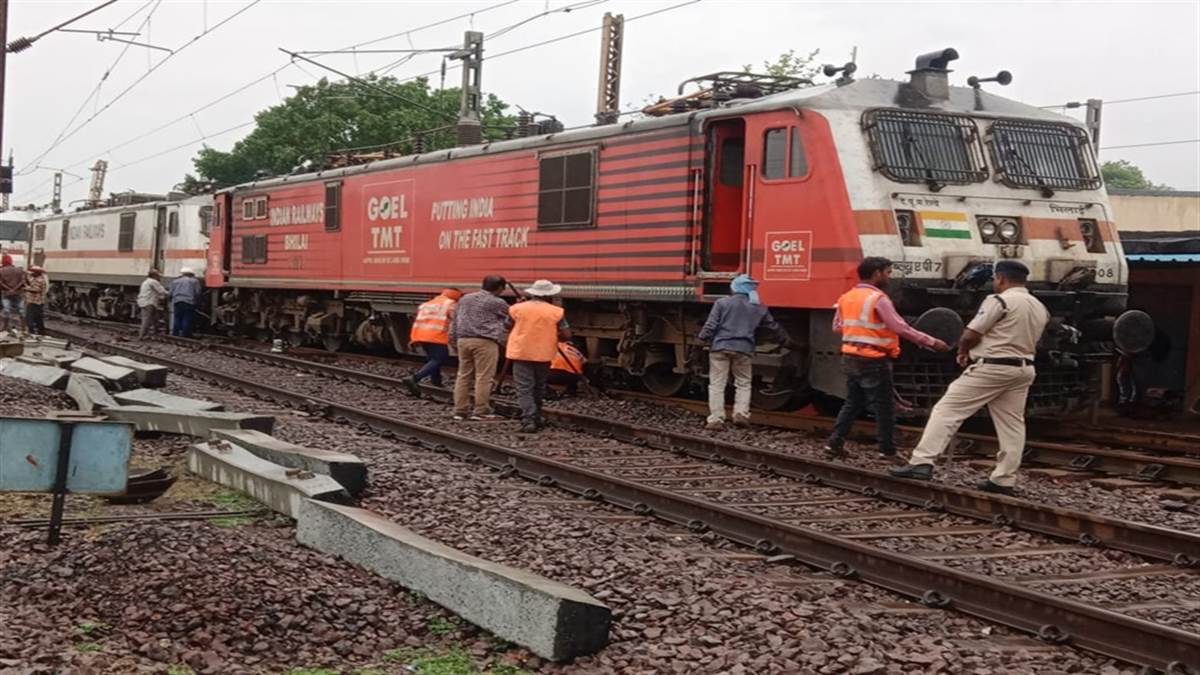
x=1002, y=78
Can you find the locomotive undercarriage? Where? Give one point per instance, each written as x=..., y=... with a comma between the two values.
x=653, y=344
x=95, y=301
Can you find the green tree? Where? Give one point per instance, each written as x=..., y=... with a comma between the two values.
x=789, y=64
x=331, y=117
x=1126, y=175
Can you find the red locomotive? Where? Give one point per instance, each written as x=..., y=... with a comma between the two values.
x=645, y=222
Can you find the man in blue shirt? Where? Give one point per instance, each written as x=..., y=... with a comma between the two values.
x=731, y=325
x=185, y=295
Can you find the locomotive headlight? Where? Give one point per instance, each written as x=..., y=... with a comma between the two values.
x=987, y=229
x=1009, y=231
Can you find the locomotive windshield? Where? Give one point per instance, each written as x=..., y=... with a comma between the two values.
x=1043, y=155
x=930, y=148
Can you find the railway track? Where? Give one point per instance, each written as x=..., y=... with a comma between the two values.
x=981, y=554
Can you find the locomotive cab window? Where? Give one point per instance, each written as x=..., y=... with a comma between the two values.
x=260, y=208
x=65, y=234
x=566, y=183
x=1046, y=156
x=128, y=227
x=783, y=154
x=247, y=208
x=206, y=216
x=39, y=232
x=254, y=249
x=173, y=223
x=920, y=147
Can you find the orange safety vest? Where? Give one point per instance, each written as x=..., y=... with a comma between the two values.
x=534, y=335
x=432, y=324
x=568, y=359
x=863, y=332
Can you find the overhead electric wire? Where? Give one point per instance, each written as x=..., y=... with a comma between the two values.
x=1127, y=100
x=145, y=75
x=1147, y=145
x=95, y=90
x=493, y=57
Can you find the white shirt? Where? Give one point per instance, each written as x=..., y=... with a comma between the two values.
x=150, y=293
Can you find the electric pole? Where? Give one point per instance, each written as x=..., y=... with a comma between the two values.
x=470, y=121
x=6, y=173
x=1092, y=119
x=608, y=99
x=56, y=195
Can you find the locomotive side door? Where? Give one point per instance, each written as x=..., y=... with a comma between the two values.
x=159, y=241
x=722, y=235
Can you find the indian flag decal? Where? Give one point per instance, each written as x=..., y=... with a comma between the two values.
x=945, y=224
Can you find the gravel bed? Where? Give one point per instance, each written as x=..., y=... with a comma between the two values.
x=1060, y=563
x=1142, y=505
x=679, y=606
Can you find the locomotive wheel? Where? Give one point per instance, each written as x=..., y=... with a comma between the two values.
x=660, y=380
x=333, y=343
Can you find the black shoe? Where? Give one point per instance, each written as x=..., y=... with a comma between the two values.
x=986, y=485
x=835, y=448
x=917, y=471
x=529, y=427
x=410, y=384
x=887, y=452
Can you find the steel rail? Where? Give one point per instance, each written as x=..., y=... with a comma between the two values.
x=1051, y=618
x=1181, y=548
x=1104, y=460
x=1169, y=442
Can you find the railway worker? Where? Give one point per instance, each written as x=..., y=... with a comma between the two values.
x=476, y=331
x=12, y=293
x=566, y=370
x=537, y=326
x=997, y=349
x=150, y=294
x=185, y=295
x=35, y=299
x=431, y=330
x=731, y=325
x=871, y=329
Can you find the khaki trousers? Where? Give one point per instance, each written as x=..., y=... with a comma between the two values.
x=1003, y=389
x=476, y=368
x=720, y=365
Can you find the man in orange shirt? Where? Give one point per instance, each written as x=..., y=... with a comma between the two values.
x=566, y=370
x=431, y=330
x=871, y=329
x=537, y=326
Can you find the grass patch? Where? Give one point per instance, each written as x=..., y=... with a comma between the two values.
x=313, y=671
x=235, y=521
x=233, y=501
x=440, y=625
x=91, y=627
x=505, y=669
x=367, y=671
x=88, y=647
x=179, y=669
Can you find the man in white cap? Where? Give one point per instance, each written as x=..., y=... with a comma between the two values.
x=537, y=326
x=185, y=295
x=149, y=295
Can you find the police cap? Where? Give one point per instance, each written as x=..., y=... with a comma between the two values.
x=1013, y=269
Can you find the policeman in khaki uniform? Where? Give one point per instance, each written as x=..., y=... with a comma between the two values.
x=997, y=349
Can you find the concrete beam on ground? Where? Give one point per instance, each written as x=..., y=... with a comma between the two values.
x=88, y=393
x=277, y=487
x=38, y=341
x=120, y=376
x=148, y=374
x=349, y=471
x=159, y=399
x=553, y=620
x=47, y=376
x=196, y=423
x=63, y=358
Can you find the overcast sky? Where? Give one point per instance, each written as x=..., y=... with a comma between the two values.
x=1057, y=52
